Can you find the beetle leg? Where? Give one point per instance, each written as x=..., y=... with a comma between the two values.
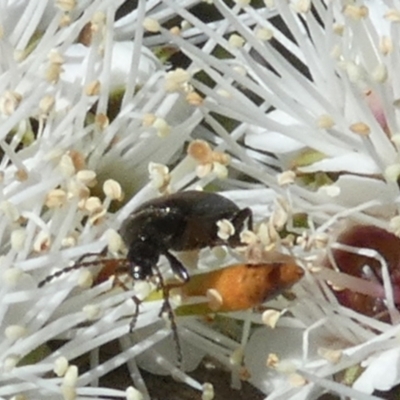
x=241, y=216
x=167, y=308
x=135, y=315
x=178, y=269
x=118, y=282
x=120, y=270
x=238, y=222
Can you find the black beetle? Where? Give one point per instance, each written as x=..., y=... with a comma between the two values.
x=178, y=222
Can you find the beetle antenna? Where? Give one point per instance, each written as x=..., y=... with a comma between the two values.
x=77, y=265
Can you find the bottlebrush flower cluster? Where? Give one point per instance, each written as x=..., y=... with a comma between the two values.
x=289, y=108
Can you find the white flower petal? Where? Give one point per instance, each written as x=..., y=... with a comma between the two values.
x=355, y=190
x=357, y=163
x=286, y=343
x=167, y=349
x=377, y=10
x=382, y=373
x=77, y=56
x=274, y=142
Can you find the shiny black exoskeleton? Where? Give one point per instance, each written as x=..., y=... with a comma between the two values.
x=180, y=221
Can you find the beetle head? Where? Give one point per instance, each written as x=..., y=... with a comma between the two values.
x=142, y=256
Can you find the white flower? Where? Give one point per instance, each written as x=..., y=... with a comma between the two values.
x=58, y=126
x=84, y=101
x=328, y=113
x=376, y=377
x=78, y=56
